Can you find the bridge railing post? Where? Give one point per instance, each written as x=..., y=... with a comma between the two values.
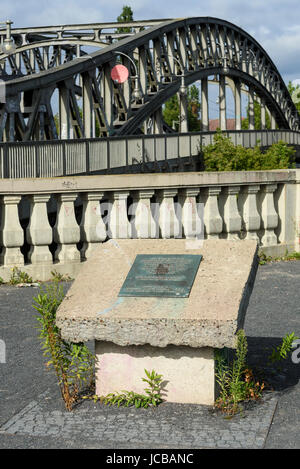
x=269, y=215
x=64, y=159
x=92, y=227
x=66, y=229
x=87, y=157
x=247, y=203
x=39, y=232
x=11, y=232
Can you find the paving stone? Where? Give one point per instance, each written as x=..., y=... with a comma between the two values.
x=208, y=430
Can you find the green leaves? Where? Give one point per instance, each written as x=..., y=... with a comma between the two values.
x=223, y=155
x=171, y=110
x=235, y=380
x=281, y=352
x=73, y=363
x=130, y=398
x=125, y=16
x=17, y=276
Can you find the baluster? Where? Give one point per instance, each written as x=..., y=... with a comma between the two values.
x=11, y=232
x=119, y=226
x=168, y=222
x=192, y=223
x=66, y=229
x=92, y=226
x=247, y=203
x=39, y=232
x=212, y=219
x=230, y=214
x=143, y=224
x=268, y=214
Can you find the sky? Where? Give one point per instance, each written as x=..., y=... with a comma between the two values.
x=275, y=24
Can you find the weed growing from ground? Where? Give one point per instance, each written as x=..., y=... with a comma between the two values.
x=152, y=396
x=73, y=363
x=57, y=277
x=17, y=276
x=264, y=259
x=236, y=380
x=281, y=352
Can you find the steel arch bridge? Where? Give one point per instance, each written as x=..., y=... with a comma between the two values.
x=163, y=58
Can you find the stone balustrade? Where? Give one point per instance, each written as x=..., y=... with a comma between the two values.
x=56, y=223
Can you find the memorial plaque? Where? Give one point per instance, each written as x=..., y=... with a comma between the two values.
x=161, y=275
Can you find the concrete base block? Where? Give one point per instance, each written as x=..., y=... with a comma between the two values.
x=43, y=271
x=188, y=373
x=278, y=250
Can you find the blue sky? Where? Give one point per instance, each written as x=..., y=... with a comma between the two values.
x=274, y=23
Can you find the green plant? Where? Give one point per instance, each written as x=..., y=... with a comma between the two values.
x=292, y=256
x=1, y=281
x=236, y=380
x=263, y=258
x=223, y=155
x=129, y=398
x=58, y=277
x=73, y=363
x=281, y=351
x=17, y=276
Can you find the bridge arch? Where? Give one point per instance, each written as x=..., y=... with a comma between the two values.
x=192, y=48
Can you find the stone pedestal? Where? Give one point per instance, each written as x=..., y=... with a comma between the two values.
x=188, y=373
x=175, y=336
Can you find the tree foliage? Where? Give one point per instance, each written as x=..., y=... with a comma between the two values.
x=125, y=16
x=257, y=118
x=223, y=155
x=171, y=110
x=292, y=88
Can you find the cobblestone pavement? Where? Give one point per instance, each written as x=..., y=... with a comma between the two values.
x=174, y=426
x=32, y=414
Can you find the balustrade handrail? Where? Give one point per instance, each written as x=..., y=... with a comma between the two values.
x=145, y=136
x=129, y=182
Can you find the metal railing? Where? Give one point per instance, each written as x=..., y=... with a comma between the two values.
x=35, y=159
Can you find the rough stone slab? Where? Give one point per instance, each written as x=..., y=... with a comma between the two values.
x=210, y=316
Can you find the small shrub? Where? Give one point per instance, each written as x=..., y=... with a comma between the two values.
x=236, y=379
x=278, y=156
x=281, y=352
x=152, y=396
x=223, y=155
x=293, y=256
x=17, y=276
x=57, y=277
x=263, y=258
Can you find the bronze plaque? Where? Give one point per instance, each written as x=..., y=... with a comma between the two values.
x=161, y=275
